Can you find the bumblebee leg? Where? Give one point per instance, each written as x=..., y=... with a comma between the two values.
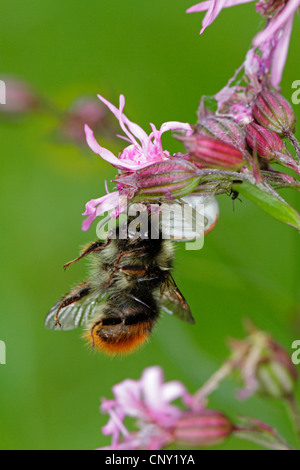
x=134, y=270
x=106, y=321
x=91, y=248
x=116, y=265
x=74, y=296
x=92, y=332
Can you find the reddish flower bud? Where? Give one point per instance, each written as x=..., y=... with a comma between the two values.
x=165, y=179
x=266, y=142
x=269, y=146
x=273, y=111
x=202, y=428
x=225, y=129
x=213, y=153
x=85, y=110
x=264, y=365
x=276, y=373
x=20, y=98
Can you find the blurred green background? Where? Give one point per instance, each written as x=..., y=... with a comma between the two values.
x=249, y=267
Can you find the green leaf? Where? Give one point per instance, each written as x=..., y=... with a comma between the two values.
x=268, y=202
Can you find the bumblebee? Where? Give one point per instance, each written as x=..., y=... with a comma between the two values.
x=119, y=305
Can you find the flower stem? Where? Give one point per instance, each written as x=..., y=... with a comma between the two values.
x=274, y=444
x=294, y=413
x=289, y=134
x=214, y=381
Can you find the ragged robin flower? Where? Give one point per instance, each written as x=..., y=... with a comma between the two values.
x=144, y=150
x=158, y=421
x=273, y=41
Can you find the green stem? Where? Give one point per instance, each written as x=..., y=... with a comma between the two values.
x=289, y=134
x=294, y=413
x=213, y=382
x=273, y=443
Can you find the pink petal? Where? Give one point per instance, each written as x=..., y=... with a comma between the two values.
x=157, y=393
x=96, y=207
x=205, y=5
x=134, y=128
x=122, y=119
x=152, y=381
x=212, y=13
x=213, y=8
x=107, y=202
x=119, y=115
x=128, y=396
x=279, y=22
x=176, y=125
x=107, y=155
x=103, y=152
x=173, y=390
x=87, y=223
x=280, y=54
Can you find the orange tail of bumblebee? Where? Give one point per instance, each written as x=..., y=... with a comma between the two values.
x=119, y=338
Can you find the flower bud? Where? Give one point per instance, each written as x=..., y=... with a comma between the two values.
x=225, y=129
x=281, y=180
x=83, y=111
x=165, y=179
x=213, y=153
x=264, y=365
x=266, y=142
x=203, y=428
x=273, y=111
x=20, y=98
x=269, y=146
x=276, y=374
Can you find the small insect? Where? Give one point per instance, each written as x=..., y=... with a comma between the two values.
x=120, y=303
x=234, y=194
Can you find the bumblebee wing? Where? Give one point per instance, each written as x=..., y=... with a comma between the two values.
x=73, y=313
x=173, y=302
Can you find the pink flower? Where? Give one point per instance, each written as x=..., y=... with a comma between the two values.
x=213, y=8
x=143, y=150
x=149, y=398
x=160, y=423
x=273, y=41
x=96, y=207
x=149, y=401
x=278, y=33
